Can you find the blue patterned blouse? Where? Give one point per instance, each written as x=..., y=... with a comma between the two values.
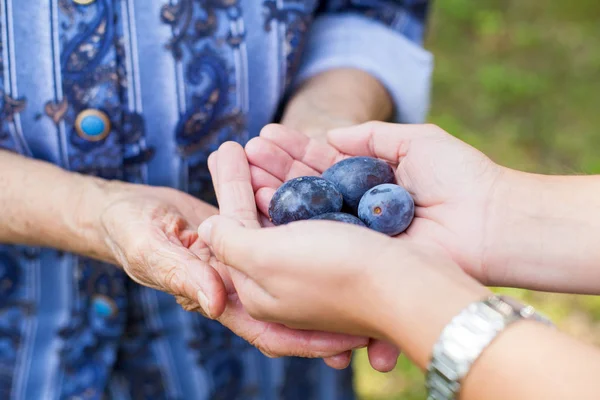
x=143, y=91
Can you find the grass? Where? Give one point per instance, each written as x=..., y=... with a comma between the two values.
x=519, y=81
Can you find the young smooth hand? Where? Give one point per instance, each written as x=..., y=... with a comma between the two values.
x=503, y=227
x=452, y=183
x=328, y=276
x=231, y=178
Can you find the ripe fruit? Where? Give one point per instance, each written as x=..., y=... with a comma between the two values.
x=304, y=198
x=358, y=190
x=340, y=217
x=387, y=208
x=354, y=176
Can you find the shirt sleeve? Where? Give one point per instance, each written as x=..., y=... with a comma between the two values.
x=382, y=38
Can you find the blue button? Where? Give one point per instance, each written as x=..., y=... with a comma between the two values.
x=92, y=125
x=104, y=306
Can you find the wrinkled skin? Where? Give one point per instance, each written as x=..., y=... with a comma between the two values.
x=153, y=234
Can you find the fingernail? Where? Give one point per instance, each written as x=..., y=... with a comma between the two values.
x=204, y=303
x=205, y=229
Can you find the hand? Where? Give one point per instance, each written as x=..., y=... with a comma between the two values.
x=329, y=276
x=382, y=356
x=451, y=182
x=153, y=234
x=231, y=178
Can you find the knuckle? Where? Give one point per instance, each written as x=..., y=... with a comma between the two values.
x=172, y=280
x=265, y=349
x=219, y=246
x=244, y=213
x=431, y=126
x=135, y=255
x=434, y=129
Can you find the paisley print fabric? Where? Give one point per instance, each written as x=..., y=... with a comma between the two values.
x=167, y=81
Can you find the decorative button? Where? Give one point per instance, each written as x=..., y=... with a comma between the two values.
x=104, y=306
x=83, y=2
x=92, y=125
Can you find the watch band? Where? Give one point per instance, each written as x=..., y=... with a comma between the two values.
x=466, y=337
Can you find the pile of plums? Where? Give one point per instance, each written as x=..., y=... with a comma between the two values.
x=357, y=190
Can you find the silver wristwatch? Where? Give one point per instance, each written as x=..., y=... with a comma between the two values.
x=465, y=338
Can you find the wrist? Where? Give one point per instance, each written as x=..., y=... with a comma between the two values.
x=411, y=309
x=337, y=98
x=47, y=206
x=535, y=224
x=84, y=223
x=467, y=337
x=504, y=196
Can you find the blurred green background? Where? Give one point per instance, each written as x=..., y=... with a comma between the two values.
x=520, y=80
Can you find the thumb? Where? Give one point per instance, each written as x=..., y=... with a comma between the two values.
x=255, y=252
x=178, y=271
x=382, y=140
x=231, y=243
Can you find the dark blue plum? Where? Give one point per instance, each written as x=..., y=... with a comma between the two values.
x=387, y=208
x=304, y=198
x=340, y=217
x=355, y=175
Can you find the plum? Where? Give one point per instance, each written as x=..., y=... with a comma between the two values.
x=355, y=175
x=303, y=198
x=387, y=208
x=340, y=217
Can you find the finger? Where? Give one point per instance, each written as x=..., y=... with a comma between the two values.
x=276, y=340
x=387, y=141
x=340, y=361
x=182, y=274
x=312, y=153
x=236, y=197
x=276, y=161
x=257, y=253
x=190, y=305
x=232, y=243
x=263, y=199
x=212, y=168
x=383, y=356
x=263, y=179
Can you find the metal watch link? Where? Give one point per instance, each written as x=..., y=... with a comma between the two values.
x=466, y=337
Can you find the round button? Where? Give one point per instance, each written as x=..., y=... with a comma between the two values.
x=92, y=125
x=104, y=306
x=83, y=2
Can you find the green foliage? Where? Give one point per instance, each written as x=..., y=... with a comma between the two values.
x=518, y=79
